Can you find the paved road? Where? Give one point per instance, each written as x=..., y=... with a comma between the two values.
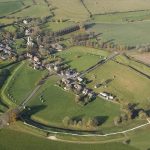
x=77, y=133
x=24, y=103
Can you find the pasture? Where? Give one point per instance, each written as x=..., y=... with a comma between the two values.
x=38, y=10
x=113, y=6
x=78, y=57
x=22, y=82
x=124, y=34
x=55, y=26
x=53, y=110
x=69, y=9
x=122, y=17
x=23, y=141
x=128, y=84
x=7, y=7
x=130, y=62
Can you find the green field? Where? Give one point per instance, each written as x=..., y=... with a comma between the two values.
x=138, y=66
x=54, y=108
x=127, y=34
x=78, y=57
x=128, y=84
x=7, y=7
x=39, y=10
x=14, y=140
x=124, y=17
x=54, y=26
x=107, y=6
x=69, y=9
x=22, y=82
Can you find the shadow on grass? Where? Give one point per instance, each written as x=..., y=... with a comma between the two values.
x=101, y=119
x=29, y=111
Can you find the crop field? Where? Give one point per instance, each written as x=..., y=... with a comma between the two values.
x=69, y=9
x=78, y=57
x=107, y=6
x=21, y=83
x=143, y=57
x=53, y=110
x=128, y=34
x=128, y=85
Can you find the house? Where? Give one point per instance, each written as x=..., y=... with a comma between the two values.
x=78, y=87
x=29, y=55
x=29, y=41
x=80, y=79
x=91, y=95
x=49, y=67
x=25, y=22
x=57, y=47
x=85, y=91
x=36, y=59
x=106, y=96
x=66, y=81
x=57, y=68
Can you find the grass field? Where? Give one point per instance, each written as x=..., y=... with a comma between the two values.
x=140, y=67
x=140, y=139
x=54, y=26
x=78, y=57
x=6, y=7
x=107, y=6
x=69, y=9
x=38, y=10
x=128, y=84
x=123, y=17
x=54, y=108
x=22, y=82
x=13, y=140
x=127, y=34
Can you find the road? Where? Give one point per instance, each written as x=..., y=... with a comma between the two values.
x=100, y=63
x=4, y=118
x=81, y=134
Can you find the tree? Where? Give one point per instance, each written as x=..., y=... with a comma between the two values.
x=66, y=121
x=117, y=120
x=142, y=115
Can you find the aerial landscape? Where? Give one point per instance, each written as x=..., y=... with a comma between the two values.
x=74, y=74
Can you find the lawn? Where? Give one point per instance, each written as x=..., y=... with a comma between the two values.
x=128, y=85
x=59, y=104
x=78, y=57
x=22, y=82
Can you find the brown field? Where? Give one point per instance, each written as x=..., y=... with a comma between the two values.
x=144, y=57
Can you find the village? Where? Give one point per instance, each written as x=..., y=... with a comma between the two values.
x=38, y=56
